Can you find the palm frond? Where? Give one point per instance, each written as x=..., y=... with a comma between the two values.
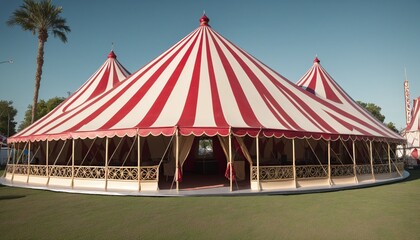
x=40, y=17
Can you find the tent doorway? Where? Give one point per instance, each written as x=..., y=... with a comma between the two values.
x=205, y=165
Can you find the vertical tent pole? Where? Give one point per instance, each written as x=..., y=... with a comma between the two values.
x=371, y=159
x=73, y=142
x=389, y=158
x=8, y=157
x=138, y=162
x=177, y=158
x=354, y=161
x=29, y=160
x=46, y=160
x=13, y=161
x=257, y=143
x=329, y=162
x=106, y=163
x=294, y=162
x=230, y=160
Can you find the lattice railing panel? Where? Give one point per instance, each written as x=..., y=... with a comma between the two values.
x=342, y=170
x=38, y=170
x=9, y=168
x=123, y=173
x=59, y=171
x=397, y=165
x=381, y=168
x=21, y=169
x=273, y=173
x=89, y=172
x=363, y=169
x=311, y=171
x=149, y=173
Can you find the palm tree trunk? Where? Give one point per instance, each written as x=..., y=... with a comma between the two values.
x=42, y=38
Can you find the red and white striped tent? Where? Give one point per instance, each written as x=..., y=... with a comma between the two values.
x=412, y=131
x=205, y=84
x=106, y=77
x=318, y=82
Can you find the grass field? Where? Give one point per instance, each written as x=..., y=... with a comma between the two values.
x=384, y=212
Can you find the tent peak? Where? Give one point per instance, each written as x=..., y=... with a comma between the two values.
x=112, y=55
x=204, y=20
x=316, y=60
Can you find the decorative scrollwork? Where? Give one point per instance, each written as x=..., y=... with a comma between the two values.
x=38, y=170
x=9, y=168
x=59, y=171
x=89, y=172
x=21, y=169
x=149, y=173
x=273, y=173
x=123, y=173
x=363, y=169
x=380, y=168
x=342, y=170
x=312, y=171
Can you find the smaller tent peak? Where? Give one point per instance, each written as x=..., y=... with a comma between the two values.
x=112, y=55
x=316, y=60
x=204, y=20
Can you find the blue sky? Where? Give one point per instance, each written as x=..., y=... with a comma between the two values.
x=364, y=45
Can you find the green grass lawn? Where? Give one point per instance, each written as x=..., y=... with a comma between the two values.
x=384, y=212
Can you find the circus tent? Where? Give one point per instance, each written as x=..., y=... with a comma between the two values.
x=109, y=74
x=205, y=84
x=318, y=82
x=412, y=131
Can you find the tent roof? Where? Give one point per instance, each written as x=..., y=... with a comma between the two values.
x=204, y=84
x=110, y=73
x=317, y=81
x=414, y=124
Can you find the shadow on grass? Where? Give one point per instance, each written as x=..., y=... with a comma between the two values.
x=10, y=197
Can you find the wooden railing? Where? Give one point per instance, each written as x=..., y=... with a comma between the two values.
x=151, y=173
x=148, y=173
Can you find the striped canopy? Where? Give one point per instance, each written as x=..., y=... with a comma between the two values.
x=204, y=84
x=106, y=77
x=414, y=125
x=317, y=81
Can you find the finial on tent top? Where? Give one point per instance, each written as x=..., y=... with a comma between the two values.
x=204, y=20
x=316, y=60
x=112, y=54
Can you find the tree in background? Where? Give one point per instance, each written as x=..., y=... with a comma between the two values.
x=375, y=110
x=7, y=118
x=40, y=18
x=44, y=107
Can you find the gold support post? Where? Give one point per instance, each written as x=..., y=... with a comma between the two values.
x=371, y=159
x=138, y=162
x=389, y=158
x=14, y=161
x=329, y=162
x=72, y=162
x=29, y=160
x=257, y=147
x=354, y=162
x=106, y=163
x=177, y=159
x=294, y=162
x=46, y=160
x=230, y=161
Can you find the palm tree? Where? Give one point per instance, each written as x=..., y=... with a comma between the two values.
x=40, y=18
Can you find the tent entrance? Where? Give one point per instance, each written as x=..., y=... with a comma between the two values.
x=205, y=165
